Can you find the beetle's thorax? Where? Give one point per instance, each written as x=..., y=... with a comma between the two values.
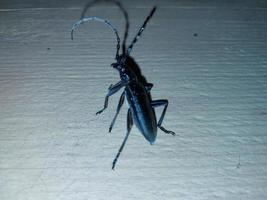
x=125, y=66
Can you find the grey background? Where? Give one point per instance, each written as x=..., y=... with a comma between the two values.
x=52, y=146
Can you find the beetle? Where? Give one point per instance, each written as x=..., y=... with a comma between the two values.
x=141, y=111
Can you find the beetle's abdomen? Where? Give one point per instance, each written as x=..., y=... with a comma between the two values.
x=143, y=114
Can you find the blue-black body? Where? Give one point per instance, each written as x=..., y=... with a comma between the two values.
x=135, y=87
x=142, y=112
x=139, y=99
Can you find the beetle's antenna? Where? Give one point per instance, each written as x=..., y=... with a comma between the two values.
x=126, y=26
x=141, y=30
x=90, y=4
x=78, y=23
x=87, y=6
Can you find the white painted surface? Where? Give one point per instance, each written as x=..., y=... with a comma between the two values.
x=52, y=146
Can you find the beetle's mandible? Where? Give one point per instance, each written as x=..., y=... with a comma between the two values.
x=135, y=87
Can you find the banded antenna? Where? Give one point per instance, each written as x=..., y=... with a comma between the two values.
x=141, y=30
x=117, y=3
x=98, y=19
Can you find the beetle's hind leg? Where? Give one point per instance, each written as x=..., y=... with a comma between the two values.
x=121, y=101
x=129, y=127
x=162, y=102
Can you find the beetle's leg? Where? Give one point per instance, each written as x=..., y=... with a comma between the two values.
x=129, y=126
x=162, y=102
x=112, y=90
x=148, y=86
x=121, y=101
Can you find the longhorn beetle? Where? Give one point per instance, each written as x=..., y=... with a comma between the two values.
x=135, y=87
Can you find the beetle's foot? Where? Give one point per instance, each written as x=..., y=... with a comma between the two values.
x=110, y=128
x=100, y=111
x=167, y=131
x=114, y=164
x=111, y=85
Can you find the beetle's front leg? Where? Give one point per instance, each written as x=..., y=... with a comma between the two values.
x=112, y=90
x=162, y=102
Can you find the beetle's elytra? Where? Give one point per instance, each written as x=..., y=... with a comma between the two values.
x=135, y=87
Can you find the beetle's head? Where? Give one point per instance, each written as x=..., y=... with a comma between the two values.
x=120, y=64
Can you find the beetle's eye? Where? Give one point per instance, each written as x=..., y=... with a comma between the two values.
x=114, y=65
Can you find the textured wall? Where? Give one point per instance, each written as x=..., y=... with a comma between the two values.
x=209, y=59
